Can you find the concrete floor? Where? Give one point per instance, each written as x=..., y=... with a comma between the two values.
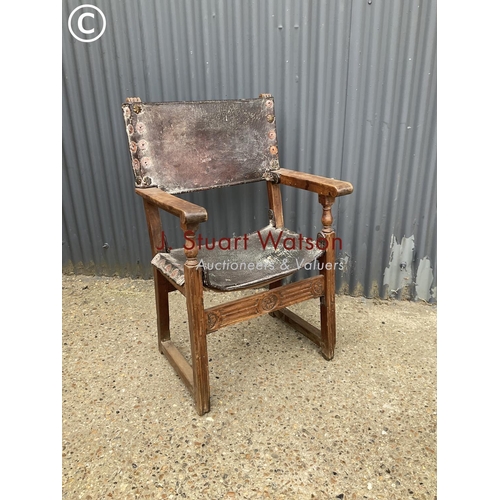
x=284, y=423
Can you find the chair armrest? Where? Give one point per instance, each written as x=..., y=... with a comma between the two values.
x=315, y=183
x=189, y=213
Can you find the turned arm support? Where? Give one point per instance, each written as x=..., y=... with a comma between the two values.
x=316, y=183
x=190, y=215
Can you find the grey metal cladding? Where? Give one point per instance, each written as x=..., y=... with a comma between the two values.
x=355, y=98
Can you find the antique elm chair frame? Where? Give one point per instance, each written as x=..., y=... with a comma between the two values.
x=179, y=147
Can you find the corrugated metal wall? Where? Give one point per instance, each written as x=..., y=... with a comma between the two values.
x=355, y=90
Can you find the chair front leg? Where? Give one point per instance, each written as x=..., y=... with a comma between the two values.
x=327, y=306
x=197, y=330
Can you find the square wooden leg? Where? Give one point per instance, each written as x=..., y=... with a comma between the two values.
x=198, y=337
x=162, y=287
x=327, y=305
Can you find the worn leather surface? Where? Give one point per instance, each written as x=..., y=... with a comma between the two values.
x=238, y=268
x=191, y=146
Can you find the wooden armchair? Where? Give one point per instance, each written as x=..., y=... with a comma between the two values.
x=180, y=147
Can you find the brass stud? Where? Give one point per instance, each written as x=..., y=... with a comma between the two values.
x=271, y=135
x=137, y=108
x=270, y=118
x=273, y=150
x=147, y=181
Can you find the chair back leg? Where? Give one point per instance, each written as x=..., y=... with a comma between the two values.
x=162, y=288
